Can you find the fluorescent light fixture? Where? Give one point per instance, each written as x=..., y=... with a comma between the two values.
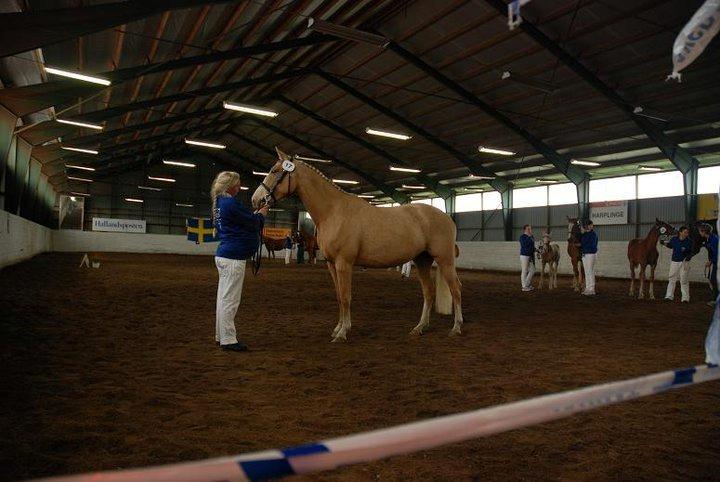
x=650, y=168
x=639, y=111
x=546, y=181
x=492, y=150
x=178, y=163
x=82, y=168
x=134, y=200
x=75, y=75
x=249, y=109
x=148, y=188
x=275, y=209
x=79, y=194
x=404, y=169
x=344, y=181
x=73, y=198
x=412, y=186
x=79, y=149
x=312, y=159
x=394, y=135
x=244, y=188
x=195, y=142
x=80, y=179
x=473, y=176
x=80, y=124
x=163, y=179
x=181, y=205
x=579, y=162
x=346, y=33
x=366, y=196
x=259, y=173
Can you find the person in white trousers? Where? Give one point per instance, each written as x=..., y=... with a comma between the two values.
x=239, y=231
x=405, y=270
x=589, y=249
x=527, y=258
x=288, y=249
x=679, y=265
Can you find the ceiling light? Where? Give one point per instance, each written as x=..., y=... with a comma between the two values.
x=79, y=193
x=403, y=169
x=639, y=111
x=492, y=150
x=249, y=109
x=75, y=75
x=80, y=124
x=275, y=209
x=650, y=168
x=163, y=179
x=194, y=142
x=181, y=205
x=79, y=179
x=244, y=188
x=133, y=200
x=578, y=162
x=344, y=181
x=148, y=188
x=79, y=149
x=474, y=189
x=546, y=181
x=366, y=196
x=83, y=168
x=258, y=173
x=473, y=176
x=394, y=135
x=312, y=159
x=346, y=33
x=178, y=163
x=412, y=186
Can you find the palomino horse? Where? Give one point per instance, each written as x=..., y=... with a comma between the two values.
x=573, y=250
x=642, y=252
x=352, y=232
x=549, y=254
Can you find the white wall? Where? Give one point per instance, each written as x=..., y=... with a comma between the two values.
x=21, y=239
x=611, y=262
x=94, y=241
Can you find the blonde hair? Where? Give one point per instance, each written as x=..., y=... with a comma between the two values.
x=223, y=181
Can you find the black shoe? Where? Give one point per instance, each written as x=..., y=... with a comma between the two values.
x=234, y=347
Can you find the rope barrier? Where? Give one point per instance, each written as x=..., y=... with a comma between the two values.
x=411, y=437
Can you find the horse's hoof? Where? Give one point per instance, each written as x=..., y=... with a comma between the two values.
x=455, y=332
x=416, y=331
x=339, y=338
x=651, y=297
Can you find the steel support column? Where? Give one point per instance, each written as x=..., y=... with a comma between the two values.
x=507, y=209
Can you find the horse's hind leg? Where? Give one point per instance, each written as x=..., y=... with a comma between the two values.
x=333, y=275
x=424, y=268
x=651, y=294
x=542, y=274
x=448, y=272
x=632, y=279
x=641, y=293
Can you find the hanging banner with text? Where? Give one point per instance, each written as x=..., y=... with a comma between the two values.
x=279, y=233
x=609, y=212
x=119, y=225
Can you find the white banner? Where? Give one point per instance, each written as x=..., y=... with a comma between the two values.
x=609, y=212
x=695, y=36
x=119, y=225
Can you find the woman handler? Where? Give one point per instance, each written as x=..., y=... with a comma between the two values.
x=238, y=229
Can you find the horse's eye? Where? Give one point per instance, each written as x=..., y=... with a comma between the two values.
x=662, y=230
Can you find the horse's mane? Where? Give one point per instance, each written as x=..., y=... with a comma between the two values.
x=320, y=173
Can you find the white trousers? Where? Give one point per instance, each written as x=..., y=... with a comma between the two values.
x=588, y=263
x=288, y=253
x=527, y=271
x=232, y=274
x=405, y=270
x=679, y=269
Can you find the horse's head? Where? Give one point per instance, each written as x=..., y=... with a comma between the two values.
x=278, y=184
x=573, y=227
x=698, y=240
x=666, y=230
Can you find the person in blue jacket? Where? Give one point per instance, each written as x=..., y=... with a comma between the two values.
x=589, y=249
x=711, y=243
x=681, y=246
x=527, y=258
x=239, y=231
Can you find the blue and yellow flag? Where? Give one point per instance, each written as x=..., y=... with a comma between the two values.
x=201, y=230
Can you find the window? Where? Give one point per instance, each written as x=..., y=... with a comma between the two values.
x=491, y=201
x=612, y=189
x=529, y=197
x=662, y=184
x=708, y=180
x=468, y=202
x=439, y=203
x=562, y=194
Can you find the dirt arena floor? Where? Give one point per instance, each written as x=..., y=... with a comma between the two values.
x=117, y=367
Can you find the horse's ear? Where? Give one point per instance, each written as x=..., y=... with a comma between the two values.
x=281, y=155
x=657, y=220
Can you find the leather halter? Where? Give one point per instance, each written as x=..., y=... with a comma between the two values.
x=269, y=198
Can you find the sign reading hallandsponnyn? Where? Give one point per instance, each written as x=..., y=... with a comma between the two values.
x=609, y=212
x=119, y=225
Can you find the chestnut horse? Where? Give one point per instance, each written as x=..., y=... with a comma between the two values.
x=351, y=231
x=573, y=250
x=642, y=252
x=311, y=248
x=272, y=245
x=548, y=254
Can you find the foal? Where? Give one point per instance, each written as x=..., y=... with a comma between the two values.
x=549, y=254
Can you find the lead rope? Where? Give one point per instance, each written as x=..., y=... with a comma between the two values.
x=257, y=257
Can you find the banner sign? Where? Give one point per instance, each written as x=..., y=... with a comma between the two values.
x=279, y=233
x=609, y=212
x=119, y=225
x=695, y=36
x=707, y=207
x=201, y=230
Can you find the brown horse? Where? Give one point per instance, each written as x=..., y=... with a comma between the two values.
x=272, y=245
x=573, y=250
x=642, y=252
x=352, y=232
x=548, y=254
x=311, y=248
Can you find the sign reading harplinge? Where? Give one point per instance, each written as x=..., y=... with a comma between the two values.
x=609, y=212
x=119, y=225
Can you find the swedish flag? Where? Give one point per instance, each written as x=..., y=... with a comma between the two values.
x=200, y=230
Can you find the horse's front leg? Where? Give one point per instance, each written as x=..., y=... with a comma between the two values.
x=542, y=273
x=343, y=272
x=333, y=275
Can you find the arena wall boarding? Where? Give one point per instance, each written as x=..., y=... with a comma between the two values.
x=21, y=239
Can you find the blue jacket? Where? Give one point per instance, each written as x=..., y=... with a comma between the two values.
x=682, y=250
x=589, y=242
x=288, y=242
x=527, y=245
x=238, y=229
x=712, y=247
